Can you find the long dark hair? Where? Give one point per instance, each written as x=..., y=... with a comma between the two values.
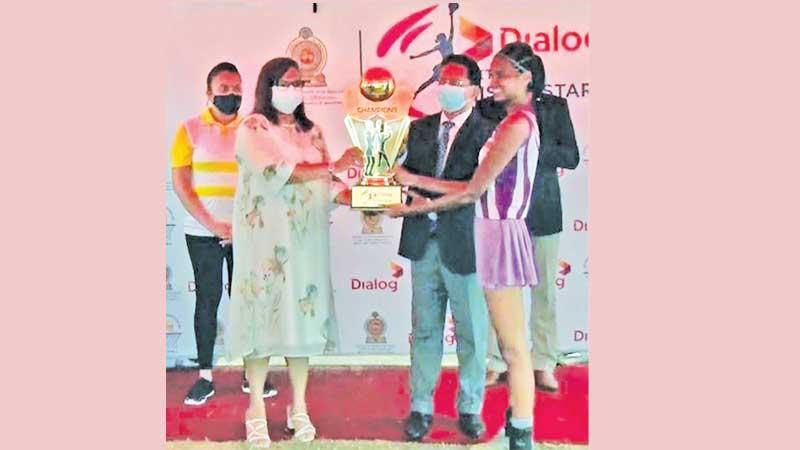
x=269, y=76
x=523, y=58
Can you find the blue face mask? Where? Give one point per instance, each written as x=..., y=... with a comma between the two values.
x=452, y=98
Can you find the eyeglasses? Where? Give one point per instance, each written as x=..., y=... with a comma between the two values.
x=500, y=75
x=459, y=83
x=297, y=83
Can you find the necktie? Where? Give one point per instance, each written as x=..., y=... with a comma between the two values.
x=444, y=141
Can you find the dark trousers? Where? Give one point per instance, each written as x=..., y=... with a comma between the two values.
x=207, y=256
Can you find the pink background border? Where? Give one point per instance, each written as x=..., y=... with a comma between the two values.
x=682, y=350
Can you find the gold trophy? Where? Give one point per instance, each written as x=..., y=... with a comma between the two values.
x=377, y=121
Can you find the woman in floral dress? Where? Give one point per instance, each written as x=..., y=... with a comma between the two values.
x=281, y=302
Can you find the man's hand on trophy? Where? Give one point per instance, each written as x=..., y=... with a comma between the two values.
x=352, y=157
x=403, y=176
x=409, y=209
x=416, y=199
x=396, y=211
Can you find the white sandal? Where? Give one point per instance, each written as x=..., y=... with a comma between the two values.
x=257, y=434
x=305, y=431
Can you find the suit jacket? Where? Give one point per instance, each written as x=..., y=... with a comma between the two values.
x=455, y=233
x=558, y=148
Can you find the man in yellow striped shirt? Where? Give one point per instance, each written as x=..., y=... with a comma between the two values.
x=204, y=177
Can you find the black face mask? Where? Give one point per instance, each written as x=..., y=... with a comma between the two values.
x=228, y=104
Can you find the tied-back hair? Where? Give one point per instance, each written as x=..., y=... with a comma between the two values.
x=523, y=59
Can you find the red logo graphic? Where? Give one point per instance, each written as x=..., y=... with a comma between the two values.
x=397, y=30
x=478, y=35
x=397, y=269
x=565, y=268
x=552, y=40
x=407, y=30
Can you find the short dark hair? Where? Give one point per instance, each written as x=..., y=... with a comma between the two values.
x=221, y=67
x=473, y=71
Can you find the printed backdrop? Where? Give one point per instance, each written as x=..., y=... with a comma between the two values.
x=371, y=282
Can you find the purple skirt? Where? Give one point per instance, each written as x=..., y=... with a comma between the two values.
x=504, y=253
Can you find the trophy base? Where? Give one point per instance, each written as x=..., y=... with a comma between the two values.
x=375, y=198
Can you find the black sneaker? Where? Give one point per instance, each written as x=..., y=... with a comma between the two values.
x=200, y=392
x=520, y=439
x=269, y=389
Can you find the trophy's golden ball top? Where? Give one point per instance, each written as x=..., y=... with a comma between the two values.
x=377, y=84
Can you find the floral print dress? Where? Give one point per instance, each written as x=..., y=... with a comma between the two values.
x=281, y=300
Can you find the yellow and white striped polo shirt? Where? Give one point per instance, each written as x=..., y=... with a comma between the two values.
x=208, y=147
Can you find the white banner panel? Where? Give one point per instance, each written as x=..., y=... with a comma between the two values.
x=372, y=284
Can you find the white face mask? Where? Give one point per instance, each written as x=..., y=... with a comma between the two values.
x=286, y=99
x=452, y=98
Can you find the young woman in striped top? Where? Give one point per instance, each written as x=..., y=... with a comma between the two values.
x=502, y=189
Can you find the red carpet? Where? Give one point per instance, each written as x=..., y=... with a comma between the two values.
x=370, y=404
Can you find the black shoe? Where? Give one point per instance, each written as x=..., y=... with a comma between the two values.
x=519, y=439
x=200, y=392
x=417, y=425
x=269, y=389
x=471, y=425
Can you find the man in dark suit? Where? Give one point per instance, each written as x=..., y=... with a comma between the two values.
x=443, y=152
x=558, y=149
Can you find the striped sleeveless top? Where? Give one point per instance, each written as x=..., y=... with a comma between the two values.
x=509, y=197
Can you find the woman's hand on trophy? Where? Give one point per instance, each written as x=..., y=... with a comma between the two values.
x=352, y=157
x=344, y=197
